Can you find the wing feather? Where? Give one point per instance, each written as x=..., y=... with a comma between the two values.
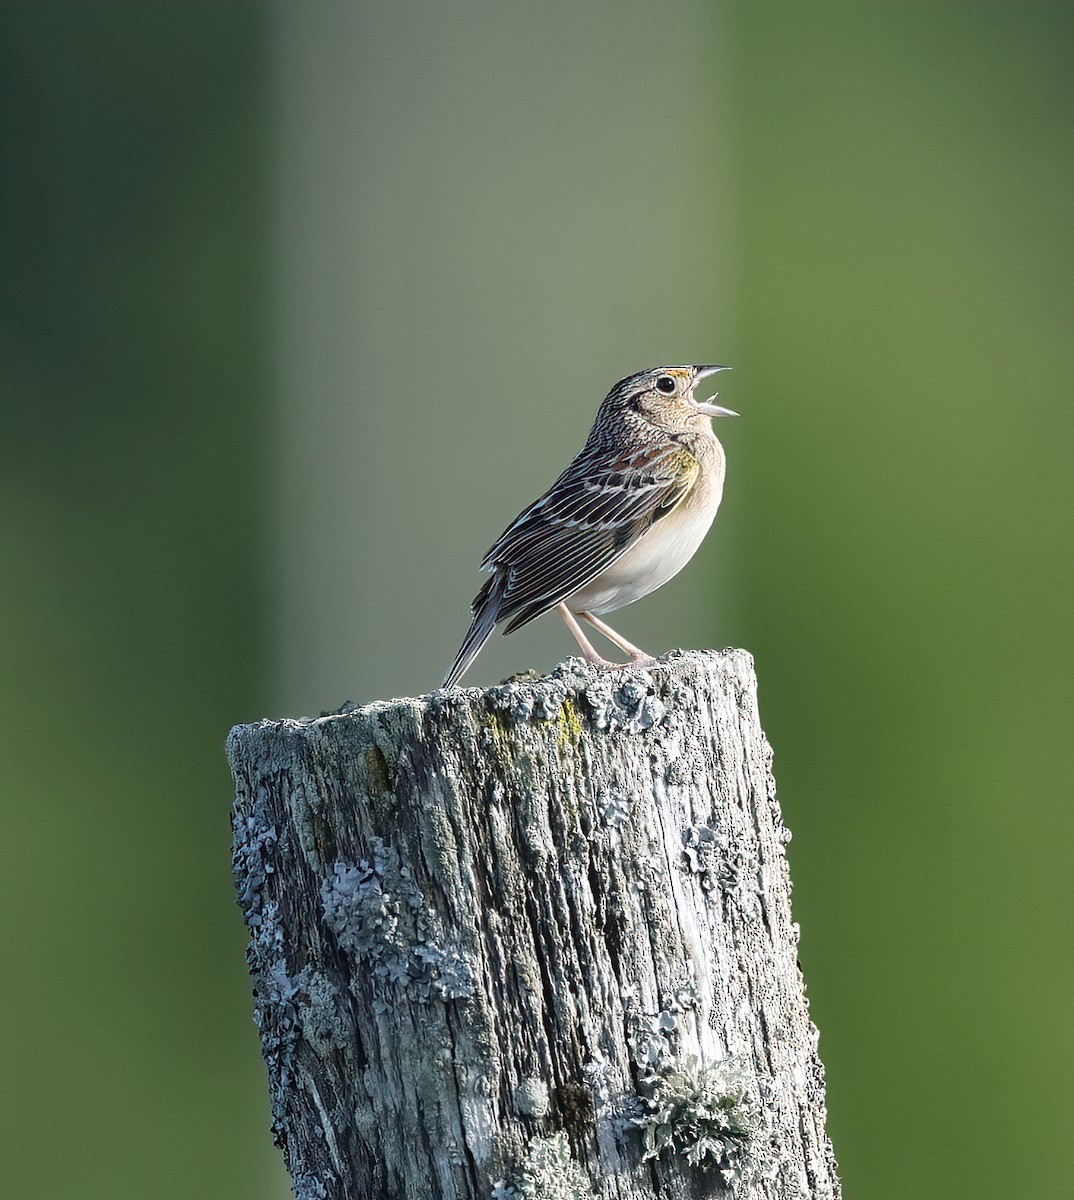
x=592, y=514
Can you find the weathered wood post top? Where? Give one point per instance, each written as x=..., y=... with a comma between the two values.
x=531, y=941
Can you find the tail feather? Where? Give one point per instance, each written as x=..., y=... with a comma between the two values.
x=486, y=612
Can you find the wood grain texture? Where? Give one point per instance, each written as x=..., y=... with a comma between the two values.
x=532, y=940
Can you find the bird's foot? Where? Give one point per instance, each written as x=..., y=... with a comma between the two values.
x=639, y=660
x=595, y=660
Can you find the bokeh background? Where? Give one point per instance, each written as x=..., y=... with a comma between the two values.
x=300, y=303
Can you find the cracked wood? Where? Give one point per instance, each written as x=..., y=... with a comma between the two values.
x=531, y=940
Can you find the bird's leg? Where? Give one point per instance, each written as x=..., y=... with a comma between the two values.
x=617, y=639
x=576, y=630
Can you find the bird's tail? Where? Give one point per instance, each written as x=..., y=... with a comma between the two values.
x=486, y=610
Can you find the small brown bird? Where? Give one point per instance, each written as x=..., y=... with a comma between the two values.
x=621, y=520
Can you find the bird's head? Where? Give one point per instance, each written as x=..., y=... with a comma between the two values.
x=665, y=396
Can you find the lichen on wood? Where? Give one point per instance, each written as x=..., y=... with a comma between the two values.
x=531, y=940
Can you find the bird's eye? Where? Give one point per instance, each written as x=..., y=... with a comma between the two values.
x=665, y=384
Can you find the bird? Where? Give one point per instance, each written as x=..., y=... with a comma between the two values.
x=624, y=518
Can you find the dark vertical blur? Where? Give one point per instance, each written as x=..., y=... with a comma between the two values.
x=134, y=141
x=906, y=186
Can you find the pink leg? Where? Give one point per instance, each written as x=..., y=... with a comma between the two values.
x=590, y=654
x=617, y=639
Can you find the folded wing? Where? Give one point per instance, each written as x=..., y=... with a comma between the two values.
x=590, y=516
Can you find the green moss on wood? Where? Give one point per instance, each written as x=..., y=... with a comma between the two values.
x=569, y=724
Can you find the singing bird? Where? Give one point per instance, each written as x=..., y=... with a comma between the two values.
x=622, y=519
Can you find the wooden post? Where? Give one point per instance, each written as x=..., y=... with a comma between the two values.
x=531, y=941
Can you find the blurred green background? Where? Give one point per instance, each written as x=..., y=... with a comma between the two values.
x=300, y=303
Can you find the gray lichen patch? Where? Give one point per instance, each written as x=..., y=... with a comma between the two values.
x=712, y=1117
x=254, y=853
x=625, y=700
x=548, y=1172
x=379, y=916
x=254, y=841
x=313, y=1187
x=615, y=808
x=532, y=1098
x=723, y=861
x=523, y=699
x=323, y=1025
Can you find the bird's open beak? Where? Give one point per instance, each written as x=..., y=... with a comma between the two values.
x=706, y=406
